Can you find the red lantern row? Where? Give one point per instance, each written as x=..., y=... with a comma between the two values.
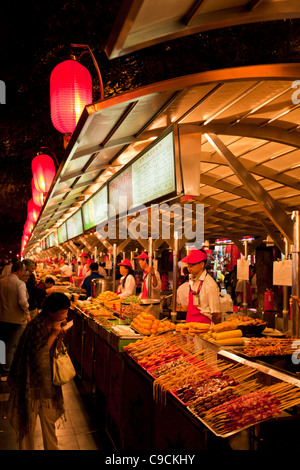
x=43, y=171
x=70, y=91
x=33, y=211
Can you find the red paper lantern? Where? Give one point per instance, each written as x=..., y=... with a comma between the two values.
x=28, y=227
x=26, y=231
x=70, y=91
x=33, y=211
x=37, y=196
x=43, y=171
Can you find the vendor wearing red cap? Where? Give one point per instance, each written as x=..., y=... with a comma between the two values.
x=127, y=286
x=84, y=270
x=148, y=290
x=204, y=294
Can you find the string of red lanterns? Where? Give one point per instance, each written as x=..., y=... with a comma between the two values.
x=71, y=90
x=43, y=171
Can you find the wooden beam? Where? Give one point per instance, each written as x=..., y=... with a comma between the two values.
x=274, y=211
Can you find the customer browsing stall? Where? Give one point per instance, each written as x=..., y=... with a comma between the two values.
x=127, y=286
x=14, y=313
x=204, y=293
x=149, y=289
x=32, y=391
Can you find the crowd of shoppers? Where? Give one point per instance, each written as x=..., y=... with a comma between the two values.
x=32, y=315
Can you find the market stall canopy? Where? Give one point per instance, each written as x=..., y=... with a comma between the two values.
x=140, y=24
x=248, y=119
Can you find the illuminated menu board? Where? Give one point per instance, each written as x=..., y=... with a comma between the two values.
x=153, y=173
x=74, y=225
x=149, y=177
x=120, y=191
x=95, y=210
x=62, y=233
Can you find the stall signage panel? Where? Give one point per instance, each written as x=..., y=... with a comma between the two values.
x=243, y=269
x=74, y=225
x=62, y=233
x=95, y=210
x=153, y=174
x=51, y=241
x=120, y=192
x=282, y=273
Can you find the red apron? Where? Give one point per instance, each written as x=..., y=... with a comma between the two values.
x=119, y=288
x=144, y=288
x=193, y=312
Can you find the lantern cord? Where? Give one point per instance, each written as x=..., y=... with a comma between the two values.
x=95, y=64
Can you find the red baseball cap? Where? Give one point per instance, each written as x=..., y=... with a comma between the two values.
x=85, y=255
x=142, y=256
x=125, y=263
x=194, y=256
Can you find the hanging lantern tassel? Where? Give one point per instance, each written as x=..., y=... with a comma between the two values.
x=43, y=171
x=71, y=90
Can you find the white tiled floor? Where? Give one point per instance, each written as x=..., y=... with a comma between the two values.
x=80, y=431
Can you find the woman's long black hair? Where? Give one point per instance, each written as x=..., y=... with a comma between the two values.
x=130, y=271
x=56, y=301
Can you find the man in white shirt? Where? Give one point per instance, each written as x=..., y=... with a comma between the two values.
x=183, y=294
x=65, y=270
x=102, y=271
x=14, y=312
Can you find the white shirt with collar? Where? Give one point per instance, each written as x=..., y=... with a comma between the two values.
x=209, y=294
x=129, y=288
x=154, y=291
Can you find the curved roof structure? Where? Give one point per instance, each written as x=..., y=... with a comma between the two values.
x=248, y=119
x=143, y=23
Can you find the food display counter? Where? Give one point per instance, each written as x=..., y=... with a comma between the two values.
x=142, y=413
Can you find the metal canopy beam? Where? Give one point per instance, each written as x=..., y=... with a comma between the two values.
x=270, y=133
x=132, y=32
x=274, y=211
x=256, y=169
x=275, y=237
